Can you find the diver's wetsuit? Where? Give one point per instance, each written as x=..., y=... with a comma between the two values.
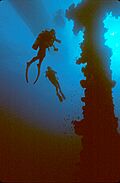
x=50, y=74
x=44, y=40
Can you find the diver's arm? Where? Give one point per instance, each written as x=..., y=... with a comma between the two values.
x=55, y=49
x=57, y=40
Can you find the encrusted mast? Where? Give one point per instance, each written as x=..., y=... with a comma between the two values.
x=100, y=157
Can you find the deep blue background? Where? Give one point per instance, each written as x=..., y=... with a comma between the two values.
x=21, y=22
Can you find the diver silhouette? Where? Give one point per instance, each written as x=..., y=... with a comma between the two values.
x=44, y=41
x=51, y=75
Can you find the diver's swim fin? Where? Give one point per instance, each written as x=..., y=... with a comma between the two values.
x=27, y=68
x=63, y=95
x=38, y=66
x=60, y=98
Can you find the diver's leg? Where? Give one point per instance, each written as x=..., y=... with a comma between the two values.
x=38, y=75
x=33, y=60
x=28, y=65
x=41, y=55
x=59, y=88
x=54, y=81
x=58, y=91
x=59, y=96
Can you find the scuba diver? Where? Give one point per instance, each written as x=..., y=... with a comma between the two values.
x=44, y=41
x=51, y=75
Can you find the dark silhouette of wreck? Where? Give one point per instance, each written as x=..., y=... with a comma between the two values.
x=100, y=155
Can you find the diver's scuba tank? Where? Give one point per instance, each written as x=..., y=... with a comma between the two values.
x=36, y=43
x=45, y=39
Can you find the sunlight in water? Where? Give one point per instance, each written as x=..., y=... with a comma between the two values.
x=112, y=36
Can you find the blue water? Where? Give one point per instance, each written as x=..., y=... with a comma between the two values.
x=112, y=36
x=38, y=104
